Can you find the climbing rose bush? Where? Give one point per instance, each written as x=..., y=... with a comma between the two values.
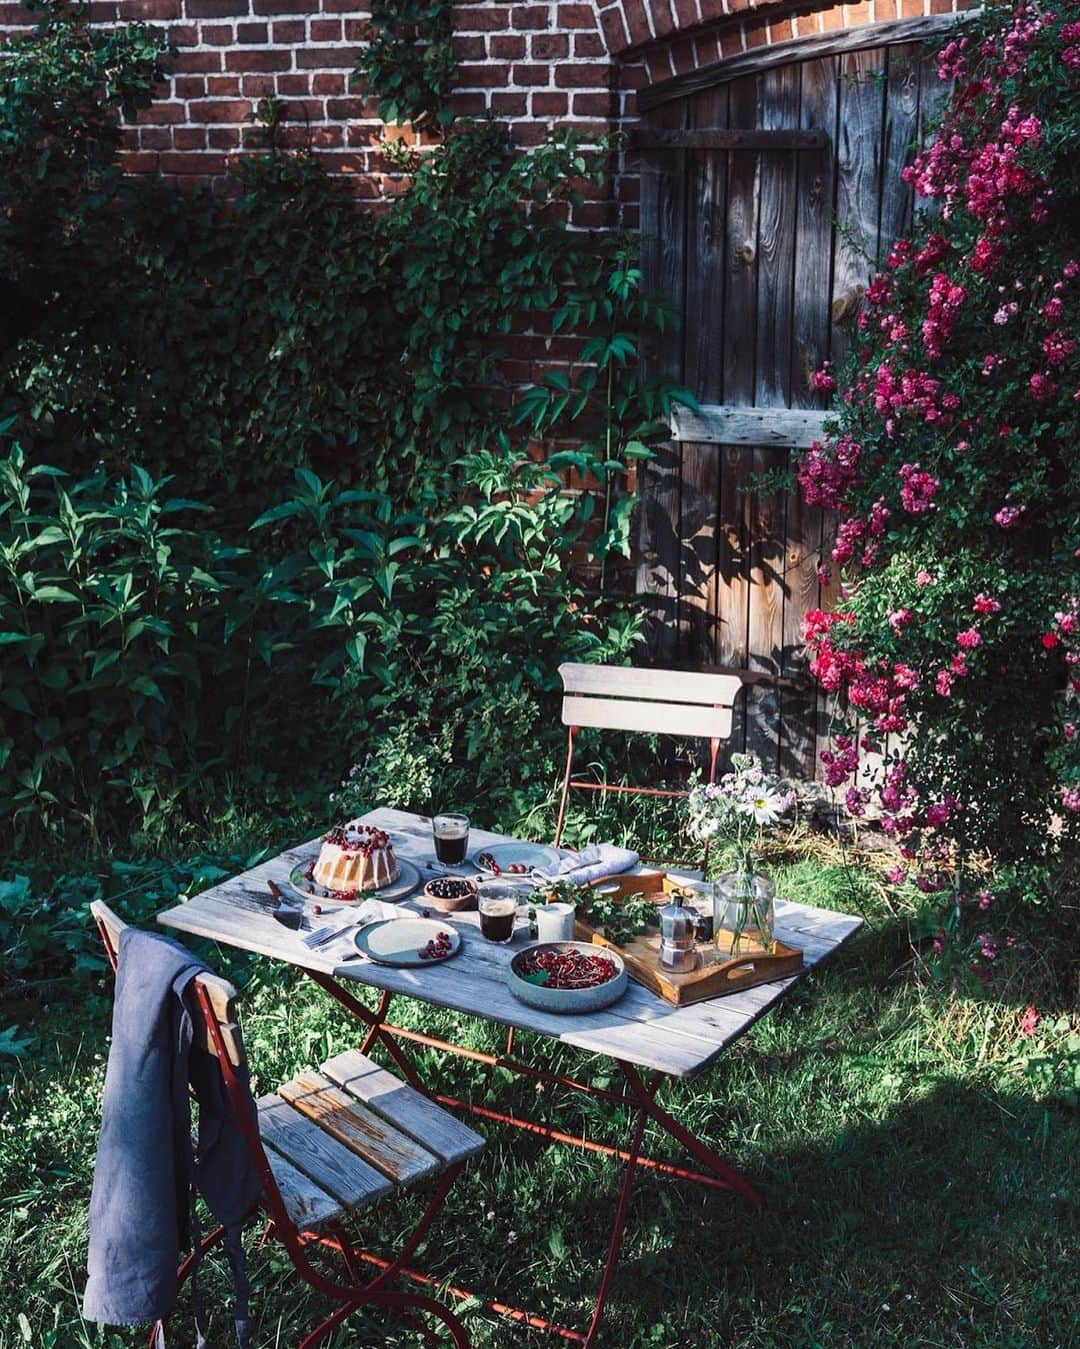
x=954, y=472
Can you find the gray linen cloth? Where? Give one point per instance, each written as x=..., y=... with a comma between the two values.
x=141, y=1207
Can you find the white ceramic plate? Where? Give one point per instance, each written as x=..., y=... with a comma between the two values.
x=528, y=855
x=399, y=941
x=407, y=881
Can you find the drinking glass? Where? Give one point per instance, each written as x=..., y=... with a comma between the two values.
x=451, y=838
x=498, y=910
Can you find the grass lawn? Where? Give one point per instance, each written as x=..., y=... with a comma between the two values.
x=917, y=1191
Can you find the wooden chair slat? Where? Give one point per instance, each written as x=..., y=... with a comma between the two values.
x=617, y=714
x=389, y=1150
x=307, y=1204
x=404, y=1107
x=330, y=1164
x=669, y=686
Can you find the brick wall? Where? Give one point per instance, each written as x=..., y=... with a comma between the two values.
x=534, y=65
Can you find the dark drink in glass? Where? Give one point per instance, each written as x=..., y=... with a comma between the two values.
x=497, y=914
x=451, y=838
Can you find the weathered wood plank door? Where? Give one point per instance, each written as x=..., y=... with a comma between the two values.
x=765, y=242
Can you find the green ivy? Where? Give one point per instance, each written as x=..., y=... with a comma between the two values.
x=409, y=64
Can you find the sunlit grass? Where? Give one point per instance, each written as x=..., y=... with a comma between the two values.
x=917, y=1190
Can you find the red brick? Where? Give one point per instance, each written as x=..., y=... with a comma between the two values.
x=706, y=49
x=183, y=35
x=780, y=30
x=357, y=30
x=327, y=58
x=252, y=62
x=257, y=86
x=549, y=47
x=189, y=138
x=527, y=134
x=549, y=104
x=588, y=44
x=160, y=137
x=252, y=32
x=287, y=31
x=328, y=84
x=191, y=163
x=571, y=76
x=223, y=138
x=194, y=63
x=215, y=9
x=682, y=55
x=731, y=43
x=468, y=104
x=343, y=109
x=164, y=114
x=280, y=6
x=293, y=86
x=686, y=12
x=509, y=105
x=187, y=86
x=484, y=77
x=506, y=48
x=139, y=161
x=611, y=21
x=101, y=11
x=637, y=21
x=532, y=75
x=469, y=49
x=220, y=110
x=322, y=30
x=304, y=109
x=592, y=105
x=531, y=17
x=223, y=86
x=149, y=9
x=576, y=16
x=477, y=19
x=217, y=34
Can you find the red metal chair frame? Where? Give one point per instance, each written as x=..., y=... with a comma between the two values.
x=665, y=702
x=351, y=1295
x=640, y=1096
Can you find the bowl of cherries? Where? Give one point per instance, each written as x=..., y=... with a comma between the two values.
x=450, y=894
x=567, y=976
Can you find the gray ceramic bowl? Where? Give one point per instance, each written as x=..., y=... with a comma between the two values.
x=567, y=999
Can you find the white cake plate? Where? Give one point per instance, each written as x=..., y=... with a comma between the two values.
x=407, y=881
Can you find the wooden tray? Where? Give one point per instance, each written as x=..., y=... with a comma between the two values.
x=716, y=973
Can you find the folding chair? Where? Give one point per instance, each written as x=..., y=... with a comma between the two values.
x=326, y=1143
x=663, y=702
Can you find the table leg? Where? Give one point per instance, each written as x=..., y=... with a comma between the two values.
x=617, y=1227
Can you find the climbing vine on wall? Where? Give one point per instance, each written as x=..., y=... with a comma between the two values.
x=409, y=64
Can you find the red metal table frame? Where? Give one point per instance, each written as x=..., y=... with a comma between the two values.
x=640, y=1097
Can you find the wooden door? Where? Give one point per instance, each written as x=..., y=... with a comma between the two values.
x=767, y=195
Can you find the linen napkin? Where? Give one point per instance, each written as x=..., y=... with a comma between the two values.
x=593, y=863
x=349, y=917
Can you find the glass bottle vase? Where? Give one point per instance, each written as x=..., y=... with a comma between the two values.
x=743, y=910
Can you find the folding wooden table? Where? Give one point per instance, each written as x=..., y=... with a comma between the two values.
x=648, y=1039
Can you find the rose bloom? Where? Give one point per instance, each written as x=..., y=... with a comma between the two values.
x=969, y=639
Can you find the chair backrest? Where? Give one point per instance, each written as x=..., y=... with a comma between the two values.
x=220, y=994
x=665, y=702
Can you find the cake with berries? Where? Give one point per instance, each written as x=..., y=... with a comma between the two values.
x=355, y=857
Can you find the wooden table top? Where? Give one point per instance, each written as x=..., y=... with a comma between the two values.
x=640, y=1028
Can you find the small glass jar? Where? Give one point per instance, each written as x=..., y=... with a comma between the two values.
x=743, y=910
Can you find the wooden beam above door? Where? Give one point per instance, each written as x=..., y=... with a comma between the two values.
x=789, y=428
x=718, y=138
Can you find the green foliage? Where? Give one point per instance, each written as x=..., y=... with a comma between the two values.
x=236, y=339
x=409, y=64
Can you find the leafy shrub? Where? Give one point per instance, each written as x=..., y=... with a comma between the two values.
x=954, y=471
x=234, y=340
x=410, y=60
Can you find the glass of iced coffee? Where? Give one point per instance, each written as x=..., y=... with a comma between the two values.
x=451, y=838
